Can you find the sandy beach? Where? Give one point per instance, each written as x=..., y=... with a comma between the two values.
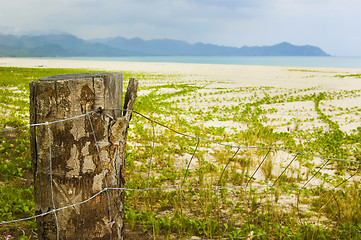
x=234, y=77
x=300, y=103
x=237, y=75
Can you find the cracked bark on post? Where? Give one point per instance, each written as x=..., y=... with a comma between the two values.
x=76, y=168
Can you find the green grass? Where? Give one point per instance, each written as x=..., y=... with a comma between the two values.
x=348, y=75
x=247, y=116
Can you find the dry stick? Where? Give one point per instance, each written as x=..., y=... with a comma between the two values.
x=298, y=206
x=358, y=169
x=181, y=186
x=304, y=185
x=284, y=170
x=51, y=182
x=269, y=150
x=319, y=211
x=104, y=177
x=338, y=206
x=151, y=155
x=249, y=180
x=189, y=163
x=331, y=190
x=323, y=165
x=224, y=169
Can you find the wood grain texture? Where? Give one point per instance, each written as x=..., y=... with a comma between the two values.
x=78, y=169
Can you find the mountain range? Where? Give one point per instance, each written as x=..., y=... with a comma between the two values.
x=66, y=45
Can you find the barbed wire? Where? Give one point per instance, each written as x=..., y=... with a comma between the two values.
x=181, y=187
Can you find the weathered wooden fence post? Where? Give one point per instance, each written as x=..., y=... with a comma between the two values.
x=78, y=159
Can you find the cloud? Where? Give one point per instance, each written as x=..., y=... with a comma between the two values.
x=330, y=24
x=141, y=15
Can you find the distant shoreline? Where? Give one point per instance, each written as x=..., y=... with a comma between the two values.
x=239, y=75
x=289, y=61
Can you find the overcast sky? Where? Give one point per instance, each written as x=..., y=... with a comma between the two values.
x=333, y=25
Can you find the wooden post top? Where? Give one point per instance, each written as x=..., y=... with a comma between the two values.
x=80, y=76
x=75, y=160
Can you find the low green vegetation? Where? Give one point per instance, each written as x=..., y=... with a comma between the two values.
x=349, y=75
x=266, y=178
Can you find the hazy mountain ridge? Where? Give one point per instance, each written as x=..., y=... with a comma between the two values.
x=66, y=45
x=55, y=45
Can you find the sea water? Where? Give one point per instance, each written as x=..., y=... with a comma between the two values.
x=329, y=61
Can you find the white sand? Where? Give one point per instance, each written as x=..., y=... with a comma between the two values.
x=232, y=77
x=282, y=79
x=238, y=75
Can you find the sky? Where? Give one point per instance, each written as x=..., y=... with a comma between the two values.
x=332, y=25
